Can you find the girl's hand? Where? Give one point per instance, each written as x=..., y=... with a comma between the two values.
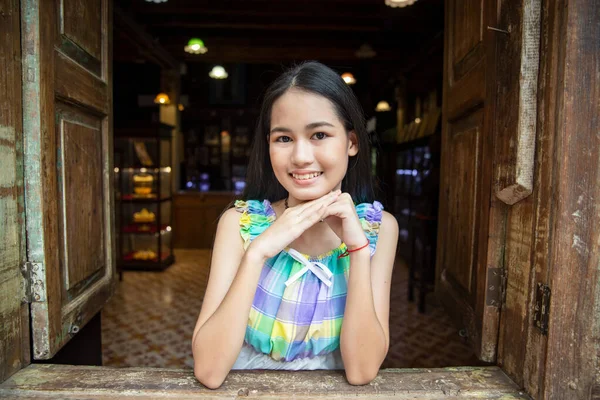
x=342, y=219
x=290, y=225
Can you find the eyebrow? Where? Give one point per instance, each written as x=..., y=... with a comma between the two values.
x=312, y=125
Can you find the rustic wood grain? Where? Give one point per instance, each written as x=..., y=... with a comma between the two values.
x=465, y=141
x=77, y=85
x=522, y=347
x=519, y=234
x=572, y=363
x=63, y=381
x=82, y=20
x=82, y=199
x=466, y=249
x=469, y=93
x=520, y=58
x=14, y=341
x=52, y=84
x=467, y=30
x=40, y=176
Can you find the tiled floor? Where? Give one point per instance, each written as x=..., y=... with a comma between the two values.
x=149, y=322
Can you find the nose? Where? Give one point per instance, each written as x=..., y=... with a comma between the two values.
x=302, y=154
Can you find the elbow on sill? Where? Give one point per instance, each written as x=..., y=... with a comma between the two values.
x=359, y=378
x=208, y=378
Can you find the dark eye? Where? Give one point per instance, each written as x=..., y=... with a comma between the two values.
x=320, y=135
x=283, y=139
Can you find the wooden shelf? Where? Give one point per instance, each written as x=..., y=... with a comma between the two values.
x=148, y=200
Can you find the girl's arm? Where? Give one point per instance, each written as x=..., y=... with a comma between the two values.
x=364, y=338
x=219, y=332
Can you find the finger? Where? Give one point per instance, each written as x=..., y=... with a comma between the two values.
x=311, y=216
x=317, y=210
x=339, y=209
x=313, y=205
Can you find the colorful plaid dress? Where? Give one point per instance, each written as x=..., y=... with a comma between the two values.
x=297, y=312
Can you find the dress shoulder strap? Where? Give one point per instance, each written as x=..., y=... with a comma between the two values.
x=370, y=218
x=256, y=216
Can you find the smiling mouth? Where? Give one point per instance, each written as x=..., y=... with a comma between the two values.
x=304, y=177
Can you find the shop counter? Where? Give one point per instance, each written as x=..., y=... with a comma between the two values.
x=195, y=217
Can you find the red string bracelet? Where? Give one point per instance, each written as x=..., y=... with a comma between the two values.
x=347, y=252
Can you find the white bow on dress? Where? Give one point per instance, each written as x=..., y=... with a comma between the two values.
x=319, y=269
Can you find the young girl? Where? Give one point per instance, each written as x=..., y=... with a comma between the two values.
x=300, y=275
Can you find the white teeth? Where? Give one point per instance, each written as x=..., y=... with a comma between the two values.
x=306, y=176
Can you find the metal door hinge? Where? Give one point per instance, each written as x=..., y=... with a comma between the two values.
x=541, y=312
x=32, y=283
x=496, y=287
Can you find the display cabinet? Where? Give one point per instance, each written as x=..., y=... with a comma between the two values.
x=144, y=196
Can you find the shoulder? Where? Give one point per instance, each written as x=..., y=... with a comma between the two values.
x=229, y=220
x=387, y=243
x=389, y=224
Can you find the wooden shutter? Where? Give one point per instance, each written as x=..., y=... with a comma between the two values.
x=469, y=236
x=67, y=128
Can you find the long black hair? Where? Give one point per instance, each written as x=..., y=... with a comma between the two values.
x=312, y=77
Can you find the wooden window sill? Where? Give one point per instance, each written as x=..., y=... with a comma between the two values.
x=68, y=382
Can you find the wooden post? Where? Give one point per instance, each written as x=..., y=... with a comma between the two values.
x=573, y=353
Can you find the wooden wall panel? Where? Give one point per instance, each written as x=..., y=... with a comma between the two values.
x=572, y=368
x=82, y=199
x=465, y=164
x=467, y=28
x=465, y=36
x=553, y=235
x=14, y=312
x=82, y=20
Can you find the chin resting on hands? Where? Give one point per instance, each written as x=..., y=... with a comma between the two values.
x=291, y=225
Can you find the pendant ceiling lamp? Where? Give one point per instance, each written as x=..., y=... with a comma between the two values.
x=399, y=3
x=365, y=51
x=383, y=106
x=156, y=1
x=348, y=78
x=162, y=99
x=195, y=46
x=218, y=72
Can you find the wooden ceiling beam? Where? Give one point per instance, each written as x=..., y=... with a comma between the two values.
x=343, y=10
x=270, y=54
x=177, y=24
x=279, y=12
x=283, y=40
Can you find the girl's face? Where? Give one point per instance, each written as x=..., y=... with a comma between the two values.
x=308, y=145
